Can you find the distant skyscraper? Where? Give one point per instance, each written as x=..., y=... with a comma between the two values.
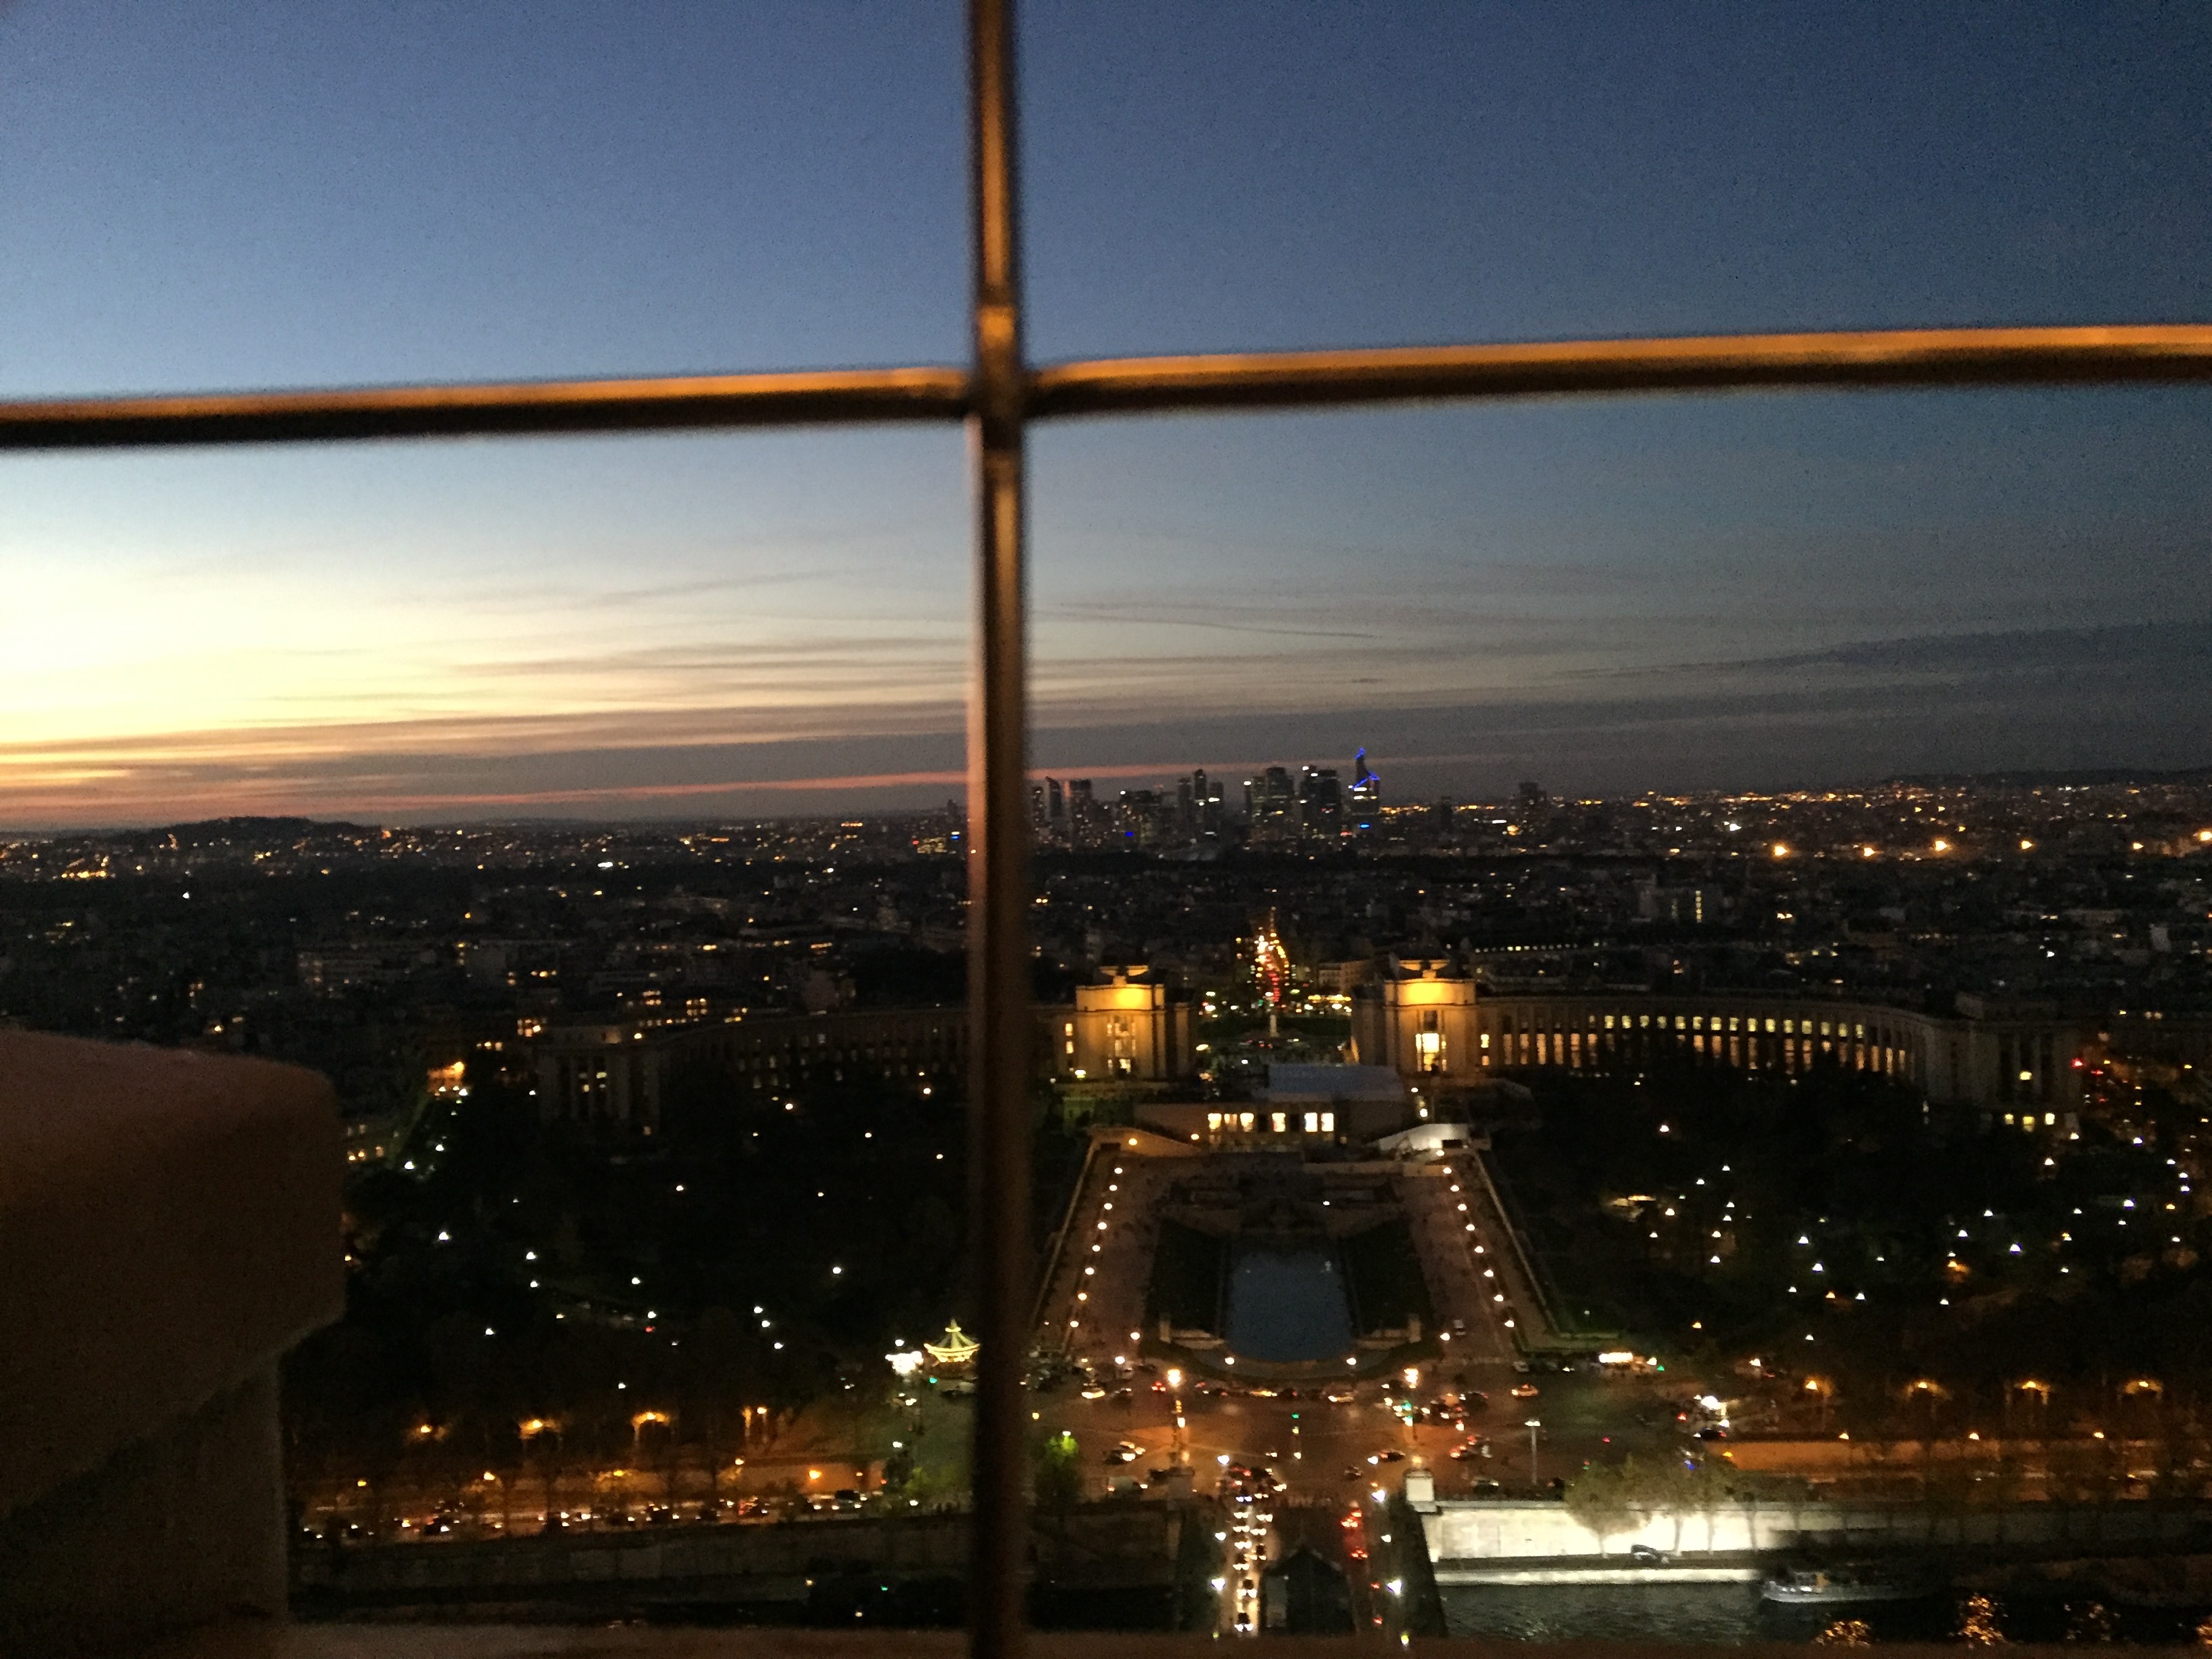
x=1365, y=798
x=1136, y=818
x=1049, y=808
x=1085, y=823
x=1321, y=803
x=1271, y=805
x=1206, y=792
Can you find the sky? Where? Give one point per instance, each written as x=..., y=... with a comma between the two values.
x=1750, y=591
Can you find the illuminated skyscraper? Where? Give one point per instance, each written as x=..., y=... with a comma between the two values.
x=1365, y=799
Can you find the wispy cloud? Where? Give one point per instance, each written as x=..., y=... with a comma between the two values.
x=2069, y=696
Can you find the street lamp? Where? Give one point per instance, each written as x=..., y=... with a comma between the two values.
x=1823, y=1390
x=1531, y=1425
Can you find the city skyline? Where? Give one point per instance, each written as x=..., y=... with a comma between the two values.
x=1761, y=589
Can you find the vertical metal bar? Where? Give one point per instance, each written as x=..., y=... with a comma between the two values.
x=999, y=992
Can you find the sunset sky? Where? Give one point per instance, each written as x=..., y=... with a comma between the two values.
x=1751, y=591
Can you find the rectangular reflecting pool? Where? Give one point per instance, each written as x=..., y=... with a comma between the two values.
x=1287, y=1302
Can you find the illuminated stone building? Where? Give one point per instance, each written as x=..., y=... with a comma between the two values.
x=1126, y=1028
x=1419, y=1020
x=1427, y=1019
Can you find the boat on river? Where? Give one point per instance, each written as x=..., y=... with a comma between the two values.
x=1844, y=1583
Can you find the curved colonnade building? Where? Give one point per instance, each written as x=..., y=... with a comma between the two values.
x=1435, y=1025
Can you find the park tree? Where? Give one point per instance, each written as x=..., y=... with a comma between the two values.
x=1059, y=1476
x=1598, y=1498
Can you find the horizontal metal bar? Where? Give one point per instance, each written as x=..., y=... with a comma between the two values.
x=1283, y=379
x=830, y=397
x=1955, y=356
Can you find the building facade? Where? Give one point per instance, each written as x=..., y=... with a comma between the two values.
x=1419, y=1019
x=1425, y=1019
x=616, y=1076
x=1126, y=1028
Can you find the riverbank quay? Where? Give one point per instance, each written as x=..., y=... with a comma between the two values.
x=1576, y=1571
x=1466, y=1532
x=1124, y=1564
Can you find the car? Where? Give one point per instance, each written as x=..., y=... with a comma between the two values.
x=1643, y=1555
x=1094, y=1392
x=1123, y=1396
x=1712, y=1434
x=1526, y=1391
x=1392, y=1457
x=1474, y=1448
x=660, y=1515
x=1340, y=1397
x=1487, y=1489
x=1122, y=1454
x=1473, y=1400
